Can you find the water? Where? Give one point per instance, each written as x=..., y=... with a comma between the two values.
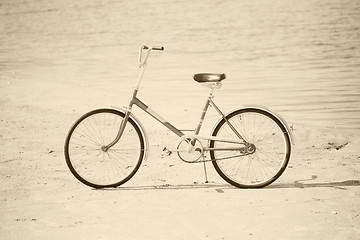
x=300, y=58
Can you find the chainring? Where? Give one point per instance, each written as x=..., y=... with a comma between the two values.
x=190, y=150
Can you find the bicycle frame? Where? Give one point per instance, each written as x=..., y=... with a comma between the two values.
x=105, y=147
x=136, y=101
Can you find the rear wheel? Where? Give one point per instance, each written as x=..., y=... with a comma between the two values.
x=85, y=156
x=267, y=154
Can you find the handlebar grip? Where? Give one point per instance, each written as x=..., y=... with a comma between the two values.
x=145, y=47
x=158, y=48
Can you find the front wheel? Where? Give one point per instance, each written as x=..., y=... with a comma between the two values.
x=86, y=157
x=270, y=149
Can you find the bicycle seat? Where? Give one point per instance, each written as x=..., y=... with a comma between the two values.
x=209, y=77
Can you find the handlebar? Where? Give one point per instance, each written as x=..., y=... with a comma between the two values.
x=158, y=48
x=153, y=48
x=143, y=60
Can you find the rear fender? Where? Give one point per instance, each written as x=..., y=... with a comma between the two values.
x=288, y=129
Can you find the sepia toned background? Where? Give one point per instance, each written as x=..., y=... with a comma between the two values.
x=300, y=58
x=61, y=58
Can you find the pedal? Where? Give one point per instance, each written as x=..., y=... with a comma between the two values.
x=167, y=152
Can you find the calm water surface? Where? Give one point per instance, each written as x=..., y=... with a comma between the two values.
x=300, y=58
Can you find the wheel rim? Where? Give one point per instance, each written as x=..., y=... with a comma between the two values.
x=98, y=168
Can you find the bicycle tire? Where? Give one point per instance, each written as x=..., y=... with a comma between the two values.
x=85, y=157
x=272, y=144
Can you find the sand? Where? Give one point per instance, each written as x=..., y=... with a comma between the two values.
x=316, y=198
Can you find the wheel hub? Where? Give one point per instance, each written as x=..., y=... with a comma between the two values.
x=251, y=148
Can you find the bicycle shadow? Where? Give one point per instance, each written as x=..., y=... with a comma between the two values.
x=172, y=187
x=296, y=184
x=300, y=184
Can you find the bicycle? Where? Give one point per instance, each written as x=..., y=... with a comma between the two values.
x=249, y=147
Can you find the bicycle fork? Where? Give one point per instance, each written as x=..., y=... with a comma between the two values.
x=120, y=132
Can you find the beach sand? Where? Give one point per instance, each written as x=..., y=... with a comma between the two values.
x=317, y=197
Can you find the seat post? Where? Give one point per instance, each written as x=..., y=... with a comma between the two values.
x=211, y=91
